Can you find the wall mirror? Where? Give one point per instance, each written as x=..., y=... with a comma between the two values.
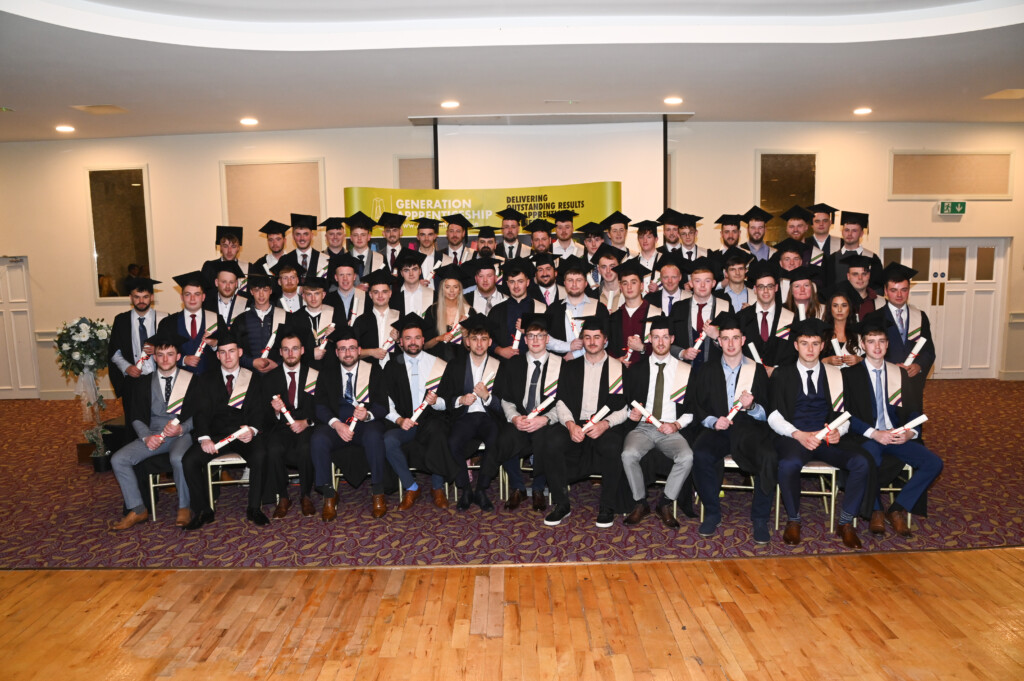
x=120, y=228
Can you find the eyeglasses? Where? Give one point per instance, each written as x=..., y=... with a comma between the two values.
x=765, y=287
x=536, y=336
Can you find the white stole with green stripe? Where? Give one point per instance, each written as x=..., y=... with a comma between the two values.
x=682, y=378
x=239, y=388
x=177, y=399
x=834, y=376
x=894, y=384
x=311, y=378
x=434, y=378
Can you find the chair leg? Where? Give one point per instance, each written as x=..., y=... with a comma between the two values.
x=832, y=508
x=778, y=500
x=209, y=482
x=152, y=494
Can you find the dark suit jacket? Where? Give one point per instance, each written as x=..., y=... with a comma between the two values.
x=175, y=323
x=570, y=388
x=638, y=381
x=898, y=350
x=276, y=383
x=330, y=391
x=686, y=335
x=859, y=397
x=302, y=323
x=120, y=339
x=457, y=381
x=510, y=383
x=142, y=398
x=616, y=339
x=334, y=300
x=776, y=351
x=215, y=419
x=292, y=258
x=556, y=317
x=211, y=306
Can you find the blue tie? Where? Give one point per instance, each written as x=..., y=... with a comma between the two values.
x=900, y=325
x=348, y=389
x=142, y=332
x=879, y=400
x=414, y=382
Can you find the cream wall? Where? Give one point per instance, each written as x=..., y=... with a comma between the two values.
x=44, y=190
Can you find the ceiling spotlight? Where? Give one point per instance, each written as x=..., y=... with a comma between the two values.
x=862, y=111
x=450, y=104
x=673, y=100
x=249, y=121
x=65, y=128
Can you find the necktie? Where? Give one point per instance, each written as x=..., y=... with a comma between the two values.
x=659, y=390
x=305, y=260
x=455, y=257
x=900, y=325
x=811, y=392
x=547, y=297
x=349, y=396
x=414, y=383
x=167, y=388
x=291, y=389
x=487, y=307
x=670, y=300
x=764, y=325
x=362, y=264
x=511, y=253
x=142, y=331
x=393, y=255
x=195, y=329
x=531, y=400
x=689, y=255
x=879, y=401
x=229, y=383
x=700, y=317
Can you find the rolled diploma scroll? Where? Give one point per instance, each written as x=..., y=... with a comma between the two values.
x=202, y=346
x=419, y=410
x=489, y=380
x=456, y=333
x=270, y=344
x=518, y=337
x=648, y=416
x=734, y=409
x=823, y=433
x=388, y=344
x=840, y=351
x=540, y=407
x=173, y=422
x=287, y=414
x=572, y=323
x=234, y=436
x=918, y=346
x=910, y=425
x=323, y=341
x=629, y=353
x=754, y=353
x=801, y=311
x=601, y=413
x=700, y=339
x=142, y=360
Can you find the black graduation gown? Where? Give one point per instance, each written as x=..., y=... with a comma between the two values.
x=686, y=335
x=775, y=351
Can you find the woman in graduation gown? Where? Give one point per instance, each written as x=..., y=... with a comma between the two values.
x=448, y=309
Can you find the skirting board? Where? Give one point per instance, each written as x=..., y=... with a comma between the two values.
x=1011, y=375
x=69, y=394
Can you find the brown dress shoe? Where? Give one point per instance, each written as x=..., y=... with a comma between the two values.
x=540, y=502
x=184, y=517
x=308, y=509
x=330, y=510
x=281, y=510
x=849, y=536
x=408, y=499
x=898, y=520
x=792, y=534
x=877, y=524
x=440, y=500
x=131, y=520
x=515, y=499
x=639, y=512
x=380, y=506
x=664, y=512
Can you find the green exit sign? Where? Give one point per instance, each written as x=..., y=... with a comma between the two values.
x=952, y=207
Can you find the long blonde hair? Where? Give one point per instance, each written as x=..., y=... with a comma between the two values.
x=462, y=307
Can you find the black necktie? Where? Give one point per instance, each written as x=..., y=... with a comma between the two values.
x=362, y=264
x=531, y=400
x=349, y=398
x=511, y=253
x=811, y=392
x=142, y=331
x=167, y=388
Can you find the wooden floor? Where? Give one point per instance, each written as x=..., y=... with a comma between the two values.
x=947, y=615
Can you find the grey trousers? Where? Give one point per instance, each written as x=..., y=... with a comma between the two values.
x=643, y=439
x=135, y=451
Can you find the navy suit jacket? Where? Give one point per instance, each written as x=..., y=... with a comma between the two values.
x=898, y=350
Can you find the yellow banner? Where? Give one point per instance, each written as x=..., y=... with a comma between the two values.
x=592, y=200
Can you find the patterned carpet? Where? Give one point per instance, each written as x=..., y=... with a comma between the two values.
x=59, y=512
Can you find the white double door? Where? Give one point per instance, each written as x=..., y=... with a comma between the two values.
x=19, y=372
x=961, y=285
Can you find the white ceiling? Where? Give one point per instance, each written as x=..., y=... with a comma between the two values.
x=929, y=67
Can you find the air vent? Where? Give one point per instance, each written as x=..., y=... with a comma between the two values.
x=100, y=109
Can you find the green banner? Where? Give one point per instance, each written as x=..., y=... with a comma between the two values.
x=592, y=200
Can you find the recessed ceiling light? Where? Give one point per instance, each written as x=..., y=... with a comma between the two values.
x=449, y=104
x=862, y=111
x=673, y=100
x=1006, y=94
x=65, y=128
x=249, y=121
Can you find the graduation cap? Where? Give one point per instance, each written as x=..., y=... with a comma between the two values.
x=485, y=233
x=539, y=259
x=647, y=227
x=450, y=271
x=616, y=218
x=230, y=266
x=473, y=266
x=511, y=214
x=575, y=264
x=591, y=229
x=761, y=269
x=705, y=263
x=735, y=256
x=563, y=215
x=632, y=267
x=607, y=250
x=808, y=327
x=874, y=323
x=142, y=284
x=190, y=279
x=258, y=278
x=410, y=321
x=855, y=259
x=807, y=272
x=378, y=276
x=391, y=220
x=284, y=264
x=333, y=223
x=540, y=226
x=225, y=336
x=457, y=219
x=595, y=323
x=341, y=333
x=822, y=208
x=732, y=219
x=359, y=220
x=274, y=227
x=535, y=319
x=674, y=217
x=303, y=221
x=661, y=322
x=407, y=257
x=896, y=272
x=850, y=217
x=427, y=223
x=798, y=213
x=846, y=290
x=165, y=338
x=726, y=320
x=344, y=260
x=790, y=245
x=315, y=282
x=518, y=266
x=476, y=322
x=226, y=231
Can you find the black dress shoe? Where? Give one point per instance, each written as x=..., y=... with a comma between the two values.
x=483, y=501
x=516, y=498
x=465, y=499
x=198, y=520
x=257, y=516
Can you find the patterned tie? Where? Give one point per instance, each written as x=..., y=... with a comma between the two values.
x=291, y=389
x=362, y=264
x=659, y=390
x=700, y=317
x=229, y=383
x=349, y=397
x=142, y=331
x=900, y=325
x=167, y=388
x=811, y=391
x=393, y=252
x=305, y=261
x=195, y=328
x=455, y=257
x=547, y=297
x=879, y=401
x=764, y=325
x=531, y=400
